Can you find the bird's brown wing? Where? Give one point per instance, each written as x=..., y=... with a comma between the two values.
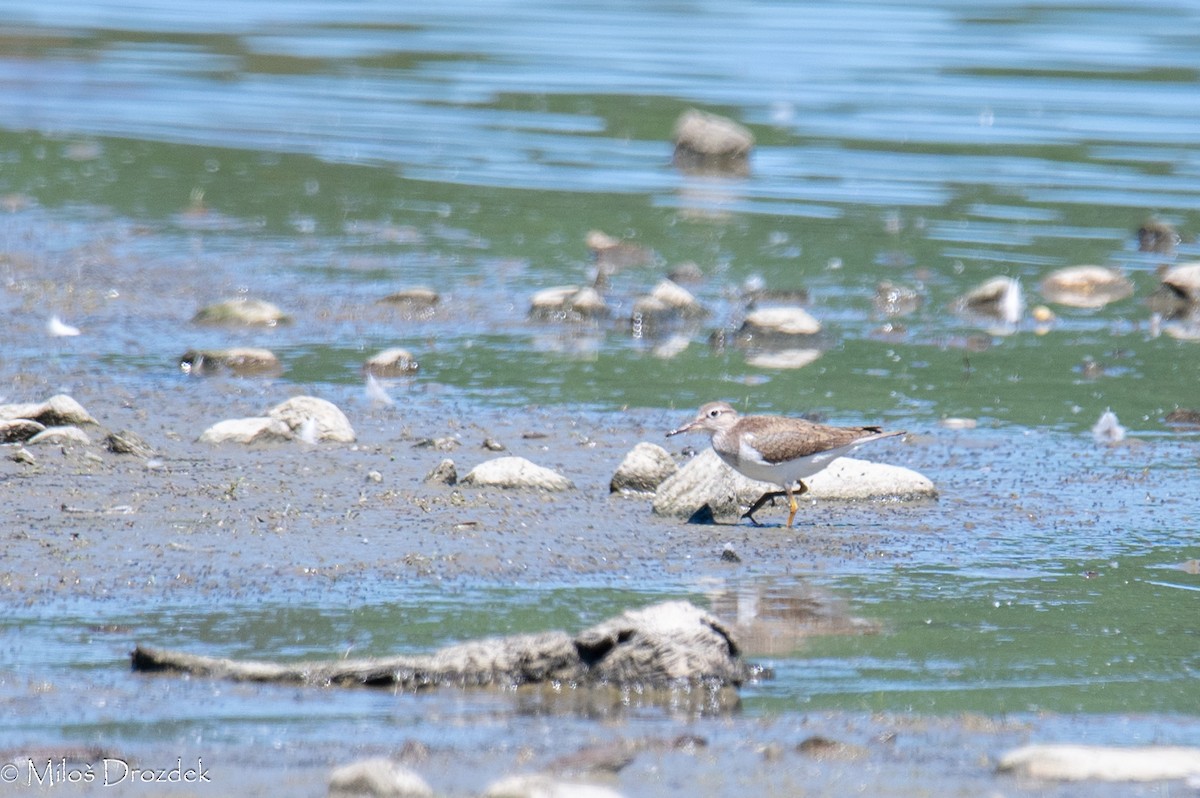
x=779, y=439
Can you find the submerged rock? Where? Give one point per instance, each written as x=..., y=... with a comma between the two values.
x=706, y=142
x=895, y=300
x=240, y=360
x=1086, y=286
x=567, y=303
x=999, y=298
x=706, y=481
x=1157, y=236
x=515, y=472
x=643, y=469
x=417, y=298
x=377, y=778
x=613, y=254
x=1178, y=292
x=664, y=648
x=1102, y=763
x=394, y=362
x=784, y=320
x=327, y=422
x=250, y=312
x=791, y=358
x=667, y=303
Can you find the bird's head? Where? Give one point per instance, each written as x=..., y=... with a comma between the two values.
x=713, y=417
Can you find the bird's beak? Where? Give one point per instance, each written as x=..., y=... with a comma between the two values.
x=685, y=428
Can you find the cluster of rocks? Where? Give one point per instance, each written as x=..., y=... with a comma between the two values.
x=247, y=361
x=703, y=487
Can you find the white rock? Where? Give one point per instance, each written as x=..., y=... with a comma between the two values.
x=378, y=778
x=515, y=472
x=643, y=469
x=1103, y=763
x=708, y=142
x=331, y=423
x=676, y=298
x=59, y=409
x=706, y=479
x=253, y=312
x=780, y=320
x=1086, y=286
x=259, y=429
x=60, y=435
x=394, y=362
x=537, y=785
x=1185, y=279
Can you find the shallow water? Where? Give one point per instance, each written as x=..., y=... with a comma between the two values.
x=157, y=157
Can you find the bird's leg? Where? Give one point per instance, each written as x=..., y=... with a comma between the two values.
x=769, y=496
x=792, y=505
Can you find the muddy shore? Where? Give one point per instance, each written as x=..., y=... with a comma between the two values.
x=231, y=525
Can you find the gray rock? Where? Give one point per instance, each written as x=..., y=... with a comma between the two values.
x=127, y=442
x=377, y=778
x=394, y=362
x=707, y=481
x=418, y=298
x=330, y=423
x=259, y=429
x=240, y=360
x=444, y=473
x=250, y=312
x=1157, y=236
x=58, y=410
x=18, y=430
x=661, y=645
x=895, y=300
x=515, y=472
x=23, y=456
x=538, y=785
x=60, y=435
x=1086, y=286
x=707, y=142
x=643, y=469
x=1102, y=763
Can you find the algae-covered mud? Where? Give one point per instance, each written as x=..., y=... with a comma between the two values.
x=471, y=232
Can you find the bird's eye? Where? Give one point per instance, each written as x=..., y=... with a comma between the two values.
x=716, y=411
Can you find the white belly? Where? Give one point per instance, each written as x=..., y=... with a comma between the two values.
x=747, y=462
